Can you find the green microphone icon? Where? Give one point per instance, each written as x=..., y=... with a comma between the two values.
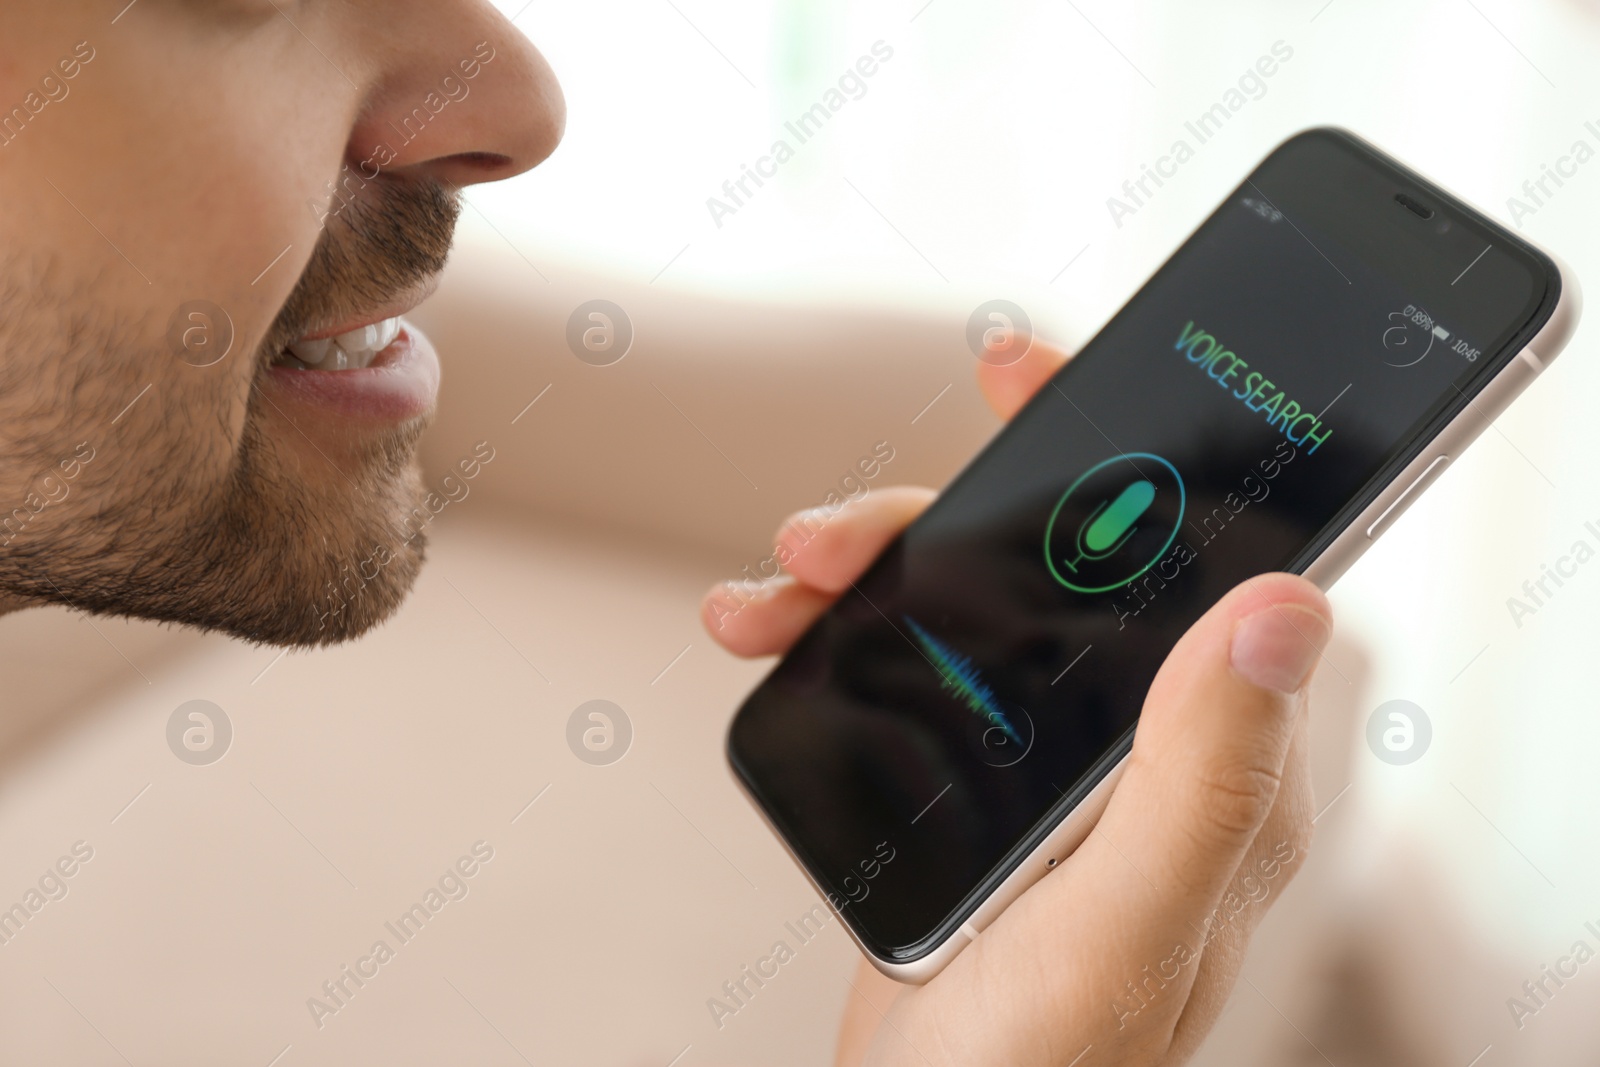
x=1109, y=526
x=1114, y=522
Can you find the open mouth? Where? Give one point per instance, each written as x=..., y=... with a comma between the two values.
x=385, y=372
x=351, y=350
x=372, y=367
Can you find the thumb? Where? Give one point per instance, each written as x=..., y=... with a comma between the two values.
x=1209, y=753
x=1106, y=949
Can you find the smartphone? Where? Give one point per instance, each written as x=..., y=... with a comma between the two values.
x=1298, y=372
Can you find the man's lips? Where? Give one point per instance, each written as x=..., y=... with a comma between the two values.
x=401, y=383
x=396, y=383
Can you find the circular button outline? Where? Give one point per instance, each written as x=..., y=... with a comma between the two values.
x=1019, y=325
x=1405, y=324
x=578, y=325
x=1183, y=500
x=617, y=719
x=181, y=325
x=216, y=719
x=1033, y=735
x=1378, y=724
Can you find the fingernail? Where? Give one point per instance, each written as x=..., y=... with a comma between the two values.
x=1277, y=647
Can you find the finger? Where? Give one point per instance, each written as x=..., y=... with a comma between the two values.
x=1112, y=940
x=761, y=618
x=824, y=551
x=870, y=997
x=1212, y=743
x=1009, y=387
x=829, y=550
x=1274, y=858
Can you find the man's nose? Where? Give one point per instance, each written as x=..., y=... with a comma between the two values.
x=462, y=97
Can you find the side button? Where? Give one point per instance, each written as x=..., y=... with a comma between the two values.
x=1403, y=501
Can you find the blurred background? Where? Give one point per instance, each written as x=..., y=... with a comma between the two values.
x=772, y=346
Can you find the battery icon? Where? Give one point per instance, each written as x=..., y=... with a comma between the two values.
x=1441, y=333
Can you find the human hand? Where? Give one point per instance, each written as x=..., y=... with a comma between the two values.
x=1126, y=953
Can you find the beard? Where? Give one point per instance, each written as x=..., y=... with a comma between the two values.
x=196, y=518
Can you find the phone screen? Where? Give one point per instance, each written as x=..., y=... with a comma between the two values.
x=1229, y=421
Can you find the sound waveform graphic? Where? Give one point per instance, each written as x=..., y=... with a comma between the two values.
x=957, y=674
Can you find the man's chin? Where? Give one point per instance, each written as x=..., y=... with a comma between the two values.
x=281, y=611
x=332, y=557
x=372, y=547
x=352, y=603
x=277, y=557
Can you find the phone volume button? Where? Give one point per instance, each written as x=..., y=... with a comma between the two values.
x=1403, y=501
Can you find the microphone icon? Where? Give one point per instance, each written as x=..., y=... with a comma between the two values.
x=1111, y=524
x=1089, y=542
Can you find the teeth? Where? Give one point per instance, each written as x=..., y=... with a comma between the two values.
x=356, y=348
x=388, y=330
x=363, y=337
x=311, y=352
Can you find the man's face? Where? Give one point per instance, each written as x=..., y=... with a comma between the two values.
x=198, y=198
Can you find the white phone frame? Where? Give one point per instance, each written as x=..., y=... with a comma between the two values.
x=1409, y=484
